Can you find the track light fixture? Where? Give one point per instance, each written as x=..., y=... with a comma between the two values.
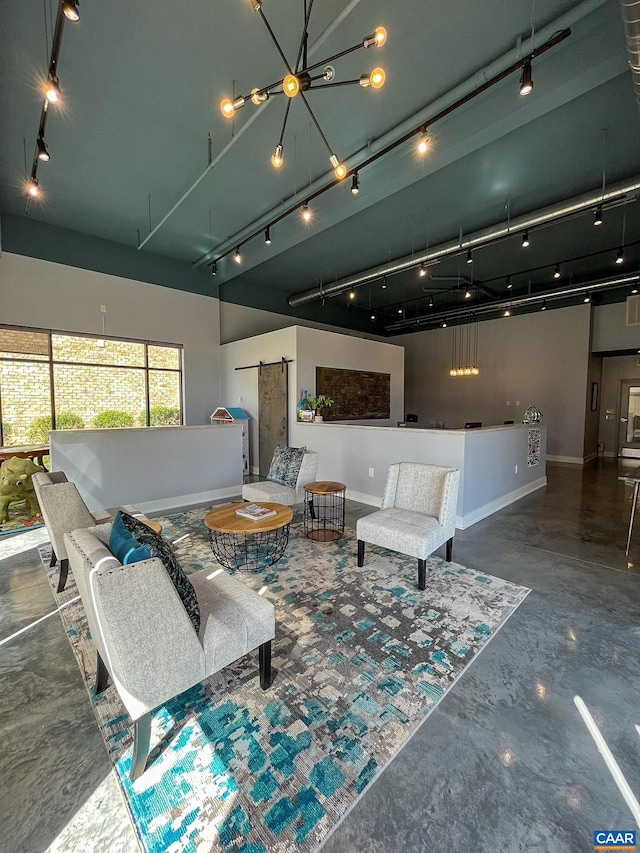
x=267, y=236
x=355, y=184
x=52, y=89
x=556, y=272
x=444, y=324
x=526, y=81
x=506, y=312
x=384, y=282
x=469, y=256
x=587, y=298
x=422, y=271
x=33, y=188
x=301, y=79
x=43, y=151
x=305, y=212
x=373, y=316
x=620, y=256
x=352, y=294
x=431, y=302
x=214, y=268
x=525, y=239
x=597, y=219
x=237, y=257
x=467, y=294
x=508, y=283
x=543, y=307
x=400, y=309
x=70, y=10
x=424, y=141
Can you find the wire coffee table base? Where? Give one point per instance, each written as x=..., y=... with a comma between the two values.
x=250, y=552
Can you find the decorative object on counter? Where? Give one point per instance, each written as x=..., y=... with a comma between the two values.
x=532, y=415
x=304, y=409
x=320, y=402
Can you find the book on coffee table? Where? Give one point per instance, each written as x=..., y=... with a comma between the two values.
x=255, y=512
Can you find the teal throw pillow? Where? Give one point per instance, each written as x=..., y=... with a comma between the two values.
x=124, y=546
x=160, y=548
x=285, y=465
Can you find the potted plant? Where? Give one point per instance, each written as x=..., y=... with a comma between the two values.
x=320, y=402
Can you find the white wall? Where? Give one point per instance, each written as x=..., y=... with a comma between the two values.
x=536, y=359
x=610, y=330
x=307, y=348
x=46, y=295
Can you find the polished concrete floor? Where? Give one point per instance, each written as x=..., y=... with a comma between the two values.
x=505, y=762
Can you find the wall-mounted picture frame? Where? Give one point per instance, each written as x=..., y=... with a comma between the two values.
x=594, y=396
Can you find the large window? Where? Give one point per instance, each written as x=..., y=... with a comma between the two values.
x=52, y=380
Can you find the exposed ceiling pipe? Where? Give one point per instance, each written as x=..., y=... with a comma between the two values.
x=214, y=162
x=492, y=234
x=490, y=308
x=631, y=18
x=477, y=80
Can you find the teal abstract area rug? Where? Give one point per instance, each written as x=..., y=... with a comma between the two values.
x=362, y=657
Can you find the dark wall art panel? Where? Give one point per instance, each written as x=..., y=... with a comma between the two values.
x=358, y=395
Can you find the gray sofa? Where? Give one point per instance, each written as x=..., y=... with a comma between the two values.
x=144, y=638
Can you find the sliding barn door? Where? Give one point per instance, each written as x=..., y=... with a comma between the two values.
x=272, y=412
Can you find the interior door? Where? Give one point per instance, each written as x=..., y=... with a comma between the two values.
x=629, y=433
x=273, y=425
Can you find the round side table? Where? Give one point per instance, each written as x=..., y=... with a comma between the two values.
x=246, y=544
x=324, y=510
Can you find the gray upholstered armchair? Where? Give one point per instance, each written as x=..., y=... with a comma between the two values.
x=418, y=513
x=273, y=492
x=144, y=637
x=63, y=510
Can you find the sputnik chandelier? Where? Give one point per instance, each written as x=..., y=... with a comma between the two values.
x=300, y=78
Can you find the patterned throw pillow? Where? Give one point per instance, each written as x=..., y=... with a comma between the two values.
x=285, y=465
x=159, y=547
x=124, y=544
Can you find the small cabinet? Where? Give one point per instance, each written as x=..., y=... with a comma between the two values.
x=223, y=415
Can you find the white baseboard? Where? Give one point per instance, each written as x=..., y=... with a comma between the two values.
x=462, y=522
x=590, y=457
x=610, y=454
x=572, y=460
x=164, y=504
x=361, y=497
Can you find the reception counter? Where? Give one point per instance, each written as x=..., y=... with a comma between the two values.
x=155, y=468
x=498, y=465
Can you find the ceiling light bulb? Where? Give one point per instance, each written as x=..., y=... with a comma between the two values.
x=384, y=285
x=237, y=256
x=452, y=372
x=475, y=370
x=258, y=96
x=291, y=85
x=352, y=294
x=399, y=310
x=469, y=256
x=226, y=108
x=377, y=38
x=70, y=10
x=373, y=316
x=508, y=283
x=267, y=237
x=52, y=90
x=506, y=313
x=526, y=82
x=355, y=184
x=556, y=272
x=635, y=290
x=340, y=171
x=525, y=239
x=467, y=294
x=597, y=219
x=544, y=306
x=444, y=324
x=587, y=298
x=430, y=302
x=620, y=256
x=306, y=213
x=33, y=189
x=460, y=371
x=424, y=141
x=422, y=270
x=377, y=78
x=214, y=268
x=276, y=157
x=43, y=152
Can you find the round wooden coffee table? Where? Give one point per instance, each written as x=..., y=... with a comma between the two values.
x=242, y=543
x=324, y=510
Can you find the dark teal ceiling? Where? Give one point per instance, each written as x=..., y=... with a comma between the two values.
x=142, y=83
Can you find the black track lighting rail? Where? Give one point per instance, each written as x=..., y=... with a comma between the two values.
x=67, y=10
x=551, y=42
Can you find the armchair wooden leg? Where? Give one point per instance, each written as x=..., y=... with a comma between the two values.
x=449, y=549
x=102, y=676
x=360, y=553
x=264, y=656
x=54, y=558
x=422, y=574
x=141, y=740
x=62, y=577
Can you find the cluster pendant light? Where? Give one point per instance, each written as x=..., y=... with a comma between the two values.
x=464, y=349
x=67, y=11
x=301, y=78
